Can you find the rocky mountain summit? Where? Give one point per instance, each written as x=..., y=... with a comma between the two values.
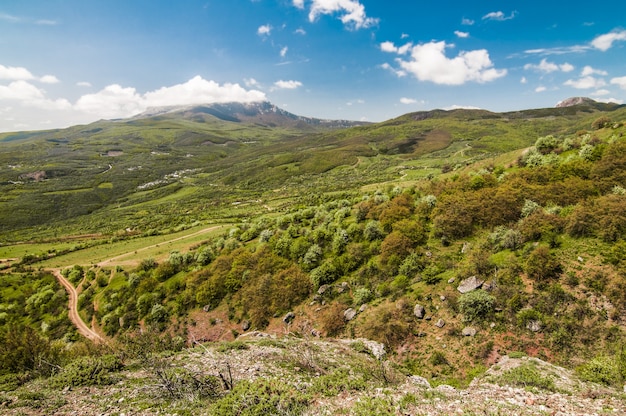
x=568, y=102
x=260, y=112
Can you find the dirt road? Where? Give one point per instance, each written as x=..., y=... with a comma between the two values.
x=82, y=327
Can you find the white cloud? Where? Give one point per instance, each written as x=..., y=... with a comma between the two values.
x=299, y=4
x=287, y=85
x=587, y=70
x=523, y=80
x=21, y=98
x=467, y=22
x=200, y=91
x=540, y=89
x=351, y=12
x=404, y=36
x=15, y=73
x=558, y=51
x=547, y=67
x=605, y=42
x=49, y=79
x=461, y=35
x=264, y=30
x=461, y=107
x=283, y=52
x=429, y=63
x=28, y=95
x=620, y=81
x=398, y=72
x=300, y=31
x=499, y=16
x=584, y=83
x=115, y=101
x=112, y=102
x=405, y=100
x=610, y=100
x=359, y=101
x=392, y=48
x=251, y=82
x=600, y=93
x=83, y=84
x=9, y=18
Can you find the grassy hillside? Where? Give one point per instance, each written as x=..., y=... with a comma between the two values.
x=452, y=238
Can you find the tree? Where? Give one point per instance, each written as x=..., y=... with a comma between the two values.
x=476, y=305
x=542, y=265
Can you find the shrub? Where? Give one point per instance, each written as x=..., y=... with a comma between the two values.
x=602, y=369
x=261, y=397
x=476, y=305
x=527, y=375
x=88, y=371
x=362, y=295
x=542, y=265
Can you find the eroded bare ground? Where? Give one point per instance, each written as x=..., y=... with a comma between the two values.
x=336, y=377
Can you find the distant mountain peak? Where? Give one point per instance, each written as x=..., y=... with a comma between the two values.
x=569, y=102
x=259, y=112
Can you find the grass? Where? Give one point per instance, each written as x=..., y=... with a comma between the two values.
x=135, y=249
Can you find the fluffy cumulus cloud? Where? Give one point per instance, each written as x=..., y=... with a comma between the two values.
x=405, y=100
x=22, y=97
x=461, y=35
x=585, y=83
x=15, y=73
x=115, y=101
x=605, y=42
x=287, y=85
x=264, y=30
x=588, y=70
x=428, y=62
x=547, y=67
x=587, y=80
x=26, y=94
x=351, y=12
x=619, y=81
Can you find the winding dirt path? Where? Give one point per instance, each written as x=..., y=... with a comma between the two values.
x=78, y=322
x=82, y=327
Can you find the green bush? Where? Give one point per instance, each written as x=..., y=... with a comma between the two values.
x=476, y=305
x=88, y=371
x=528, y=376
x=337, y=382
x=603, y=369
x=261, y=397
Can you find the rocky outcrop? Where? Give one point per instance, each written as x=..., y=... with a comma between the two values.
x=469, y=284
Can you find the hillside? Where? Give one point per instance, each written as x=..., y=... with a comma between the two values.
x=458, y=240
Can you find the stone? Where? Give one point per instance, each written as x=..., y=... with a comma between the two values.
x=419, y=381
x=534, y=325
x=440, y=323
x=465, y=248
x=451, y=280
x=468, y=331
x=245, y=325
x=289, y=317
x=349, y=314
x=375, y=348
x=469, y=284
x=419, y=311
x=363, y=308
x=323, y=289
x=442, y=298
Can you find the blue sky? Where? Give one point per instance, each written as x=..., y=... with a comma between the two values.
x=65, y=62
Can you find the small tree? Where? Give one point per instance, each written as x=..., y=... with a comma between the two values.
x=476, y=305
